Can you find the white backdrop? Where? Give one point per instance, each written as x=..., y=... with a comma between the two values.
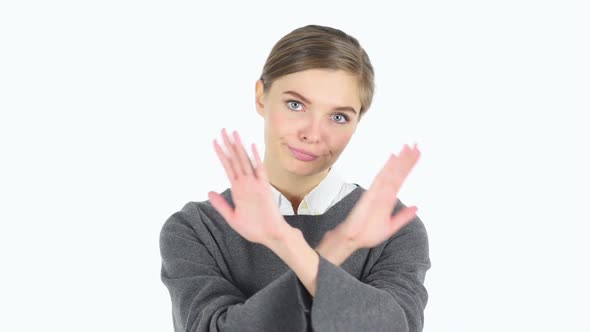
x=109, y=109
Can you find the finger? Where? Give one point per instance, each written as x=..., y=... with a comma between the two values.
x=392, y=176
x=231, y=157
x=407, y=160
x=221, y=205
x=402, y=218
x=224, y=161
x=401, y=168
x=244, y=160
x=383, y=185
x=410, y=155
x=389, y=165
x=387, y=175
x=378, y=184
x=260, y=169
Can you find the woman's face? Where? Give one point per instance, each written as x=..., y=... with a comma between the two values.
x=318, y=115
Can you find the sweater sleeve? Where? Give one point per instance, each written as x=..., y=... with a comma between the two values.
x=204, y=299
x=391, y=297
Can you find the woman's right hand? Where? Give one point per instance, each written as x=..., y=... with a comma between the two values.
x=256, y=216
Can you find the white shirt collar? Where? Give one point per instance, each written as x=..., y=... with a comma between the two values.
x=318, y=200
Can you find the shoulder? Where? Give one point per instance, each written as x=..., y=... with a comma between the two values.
x=195, y=216
x=182, y=221
x=409, y=245
x=415, y=226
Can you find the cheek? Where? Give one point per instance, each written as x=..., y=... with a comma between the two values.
x=278, y=123
x=340, y=142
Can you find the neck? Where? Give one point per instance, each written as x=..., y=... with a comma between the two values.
x=293, y=186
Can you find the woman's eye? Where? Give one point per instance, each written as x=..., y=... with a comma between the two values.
x=342, y=116
x=291, y=102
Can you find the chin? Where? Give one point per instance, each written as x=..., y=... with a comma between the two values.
x=297, y=167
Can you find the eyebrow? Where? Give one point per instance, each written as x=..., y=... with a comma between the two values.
x=340, y=108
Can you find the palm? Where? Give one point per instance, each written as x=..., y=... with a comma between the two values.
x=255, y=217
x=370, y=221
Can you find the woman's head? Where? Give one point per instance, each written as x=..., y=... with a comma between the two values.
x=316, y=85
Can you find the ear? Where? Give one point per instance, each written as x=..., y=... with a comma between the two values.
x=259, y=97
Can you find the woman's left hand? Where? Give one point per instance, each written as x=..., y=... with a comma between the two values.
x=370, y=222
x=256, y=216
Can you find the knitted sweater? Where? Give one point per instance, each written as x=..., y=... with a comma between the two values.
x=219, y=281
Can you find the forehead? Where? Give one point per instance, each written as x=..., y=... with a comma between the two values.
x=322, y=86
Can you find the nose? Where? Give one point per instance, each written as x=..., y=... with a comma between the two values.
x=311, y=132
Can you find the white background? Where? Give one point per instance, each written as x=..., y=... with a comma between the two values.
x=109, y=108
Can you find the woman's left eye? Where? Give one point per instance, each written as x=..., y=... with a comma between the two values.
x=344, y=116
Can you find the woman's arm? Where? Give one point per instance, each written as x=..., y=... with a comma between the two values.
x=368, y=225
x=257, y=219
x=304, y=261
x=391, y=298
x=397, y=298
x=205, y=297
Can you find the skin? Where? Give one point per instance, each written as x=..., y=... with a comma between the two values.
x=315, y=127
x=257, y=217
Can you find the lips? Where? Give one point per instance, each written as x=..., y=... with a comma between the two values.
x=303, y=151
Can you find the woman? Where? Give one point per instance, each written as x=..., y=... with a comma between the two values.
x=257, y=257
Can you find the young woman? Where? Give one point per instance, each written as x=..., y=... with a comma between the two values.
x=290, y=246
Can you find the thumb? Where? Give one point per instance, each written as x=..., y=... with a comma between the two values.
x=402, y=218
x=221, y=205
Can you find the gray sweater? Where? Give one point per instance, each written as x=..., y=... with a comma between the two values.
x=219, y=281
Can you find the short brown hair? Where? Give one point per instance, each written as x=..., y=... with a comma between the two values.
x=316, y=46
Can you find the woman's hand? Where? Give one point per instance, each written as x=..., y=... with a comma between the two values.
x=370, y=222
x=256, y=216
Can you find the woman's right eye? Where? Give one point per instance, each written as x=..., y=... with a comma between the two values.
x=291, y=102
